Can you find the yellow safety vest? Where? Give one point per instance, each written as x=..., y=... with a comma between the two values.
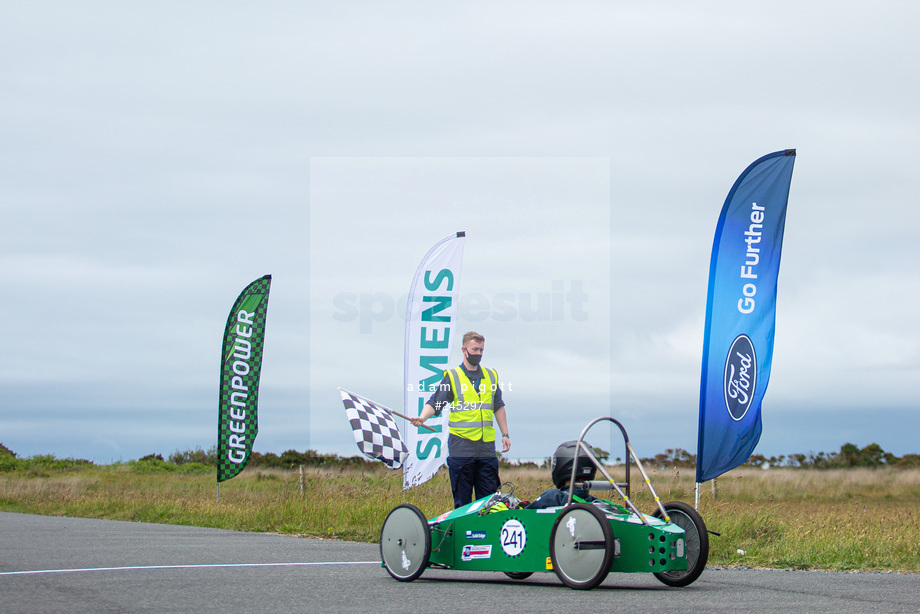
x=471, y=411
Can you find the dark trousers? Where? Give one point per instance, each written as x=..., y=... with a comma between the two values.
x=467, y=473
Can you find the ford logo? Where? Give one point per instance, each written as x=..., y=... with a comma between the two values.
x=740, y=377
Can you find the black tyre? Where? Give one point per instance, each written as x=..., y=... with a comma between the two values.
x=518, y=575
x=581, y=546
x=405, y=542
x=696, y=542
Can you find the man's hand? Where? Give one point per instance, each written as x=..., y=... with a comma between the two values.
x=506, y=443
x=419, y=421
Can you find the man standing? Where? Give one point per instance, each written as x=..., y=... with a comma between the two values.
x=475, y=397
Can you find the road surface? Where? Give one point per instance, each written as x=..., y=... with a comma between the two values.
x=53, y=565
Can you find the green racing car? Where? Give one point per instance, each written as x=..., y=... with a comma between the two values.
x=581, y=542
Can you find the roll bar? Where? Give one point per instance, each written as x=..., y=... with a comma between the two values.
x=610, y=484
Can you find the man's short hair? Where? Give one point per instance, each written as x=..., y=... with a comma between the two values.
x=473, y=336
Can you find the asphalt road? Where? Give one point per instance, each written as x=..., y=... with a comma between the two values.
x=50, y=564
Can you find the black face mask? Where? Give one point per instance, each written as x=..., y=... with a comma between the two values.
x=473, y=359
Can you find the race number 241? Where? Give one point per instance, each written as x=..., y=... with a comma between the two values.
x=513, y=537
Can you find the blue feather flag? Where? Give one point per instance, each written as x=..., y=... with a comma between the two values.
x=741, y=314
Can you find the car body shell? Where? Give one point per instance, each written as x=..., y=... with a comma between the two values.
x=474, y=537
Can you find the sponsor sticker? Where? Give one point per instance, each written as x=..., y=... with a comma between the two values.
x=476, y=551
x=475, y=534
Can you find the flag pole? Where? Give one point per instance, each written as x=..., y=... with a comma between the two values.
x=405, y=417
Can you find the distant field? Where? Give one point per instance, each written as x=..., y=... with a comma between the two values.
x=852, y=519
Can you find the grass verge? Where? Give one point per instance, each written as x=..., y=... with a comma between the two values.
x=854, y=519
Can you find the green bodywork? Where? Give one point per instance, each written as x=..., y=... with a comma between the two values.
x=464, y=539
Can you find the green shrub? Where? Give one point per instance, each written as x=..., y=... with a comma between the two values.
x=195, y=456
x=908, y=460
x=48, y=462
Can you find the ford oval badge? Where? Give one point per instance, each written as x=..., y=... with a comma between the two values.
x=740, y=377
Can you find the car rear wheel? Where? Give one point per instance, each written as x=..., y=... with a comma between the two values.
x=405, y=543
x=581, y=546
x=696, y=542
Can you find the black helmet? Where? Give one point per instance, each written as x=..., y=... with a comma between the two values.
x=563, y=458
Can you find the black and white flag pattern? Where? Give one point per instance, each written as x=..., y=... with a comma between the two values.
x=376, y=433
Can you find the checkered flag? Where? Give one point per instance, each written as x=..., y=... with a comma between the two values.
x=375, y=431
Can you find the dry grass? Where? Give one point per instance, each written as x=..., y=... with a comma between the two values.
x=805, y=519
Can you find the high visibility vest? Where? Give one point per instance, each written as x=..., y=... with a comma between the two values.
x=471, y=412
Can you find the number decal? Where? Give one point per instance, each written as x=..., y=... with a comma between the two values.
x=513, y=537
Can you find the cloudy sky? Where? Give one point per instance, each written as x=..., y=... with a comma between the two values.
x=154, y=160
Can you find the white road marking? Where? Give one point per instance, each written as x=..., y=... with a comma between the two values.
x=50, y=571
